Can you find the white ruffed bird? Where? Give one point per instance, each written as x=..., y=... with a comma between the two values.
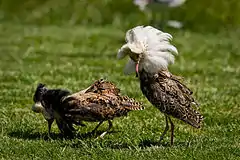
x=150, y=53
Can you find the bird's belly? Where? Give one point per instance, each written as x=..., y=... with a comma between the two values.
x=88, y=118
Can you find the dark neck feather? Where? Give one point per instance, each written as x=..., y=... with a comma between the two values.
x=53, y=97
x=145, y=76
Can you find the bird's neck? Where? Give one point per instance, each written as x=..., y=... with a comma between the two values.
x=153, y=66
x=53, y=97
x=149, y=76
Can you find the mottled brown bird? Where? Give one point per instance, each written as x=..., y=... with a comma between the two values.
x=98, y=103
x=150, y=54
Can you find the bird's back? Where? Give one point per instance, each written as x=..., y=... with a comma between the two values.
x=170, y=96
x=103, y=87
x=100, y=86
x=92, y=106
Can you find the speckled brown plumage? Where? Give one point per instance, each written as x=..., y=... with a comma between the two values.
x=166, y=92
x=103, y=87
x=96, y=107
x=101, y=102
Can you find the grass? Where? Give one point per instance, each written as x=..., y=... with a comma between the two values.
x=205, y=15
x=74, y=57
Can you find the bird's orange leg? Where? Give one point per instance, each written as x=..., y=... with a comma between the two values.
x=172, y=130
x=166, y=128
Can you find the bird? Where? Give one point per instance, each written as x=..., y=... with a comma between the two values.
x=150, y=52
x=100, y=102
x=97, y=103
x=153, y=7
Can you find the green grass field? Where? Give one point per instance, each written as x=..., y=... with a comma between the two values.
x=74, y=57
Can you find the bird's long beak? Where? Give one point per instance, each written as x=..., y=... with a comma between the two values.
x=137, y=66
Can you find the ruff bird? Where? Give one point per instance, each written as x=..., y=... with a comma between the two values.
x=98, y=103
x=150, y=54
x=153, y=7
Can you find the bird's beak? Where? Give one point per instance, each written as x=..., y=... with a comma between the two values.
x=37, y=107
x=137, y=66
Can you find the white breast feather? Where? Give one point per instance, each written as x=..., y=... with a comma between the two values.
x=153, y=44
x=130, y=67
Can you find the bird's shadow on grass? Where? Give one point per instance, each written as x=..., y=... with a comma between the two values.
x=124, y=145
x=31, y=135
x=146, y=143
x=95, y=135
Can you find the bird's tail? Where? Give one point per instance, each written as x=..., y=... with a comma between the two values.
x=193, y=117
x=130, y=104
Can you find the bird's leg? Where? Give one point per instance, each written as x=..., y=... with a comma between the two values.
x=49, y=126
x=166, y=128
x=95, y=129
x=60, y=126
x=79, y=123
x=109, y=127
x=65, y=127
x=70, y=126
x=172, y=130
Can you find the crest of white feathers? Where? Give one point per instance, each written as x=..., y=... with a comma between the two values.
x=154, y=47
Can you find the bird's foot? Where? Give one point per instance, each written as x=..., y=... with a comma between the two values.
x=79, y=123
x=161, y=139
x=103, y=134
x=93, y=133
x=49, y=136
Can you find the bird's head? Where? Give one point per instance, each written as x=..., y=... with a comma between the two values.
x=37, y=98
x=148, y=49
x=41, y=102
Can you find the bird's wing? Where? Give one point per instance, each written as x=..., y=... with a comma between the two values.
x=178, y=81
x=100, y=86
x=94, y=107
x=179, y=100
x=173, y=98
